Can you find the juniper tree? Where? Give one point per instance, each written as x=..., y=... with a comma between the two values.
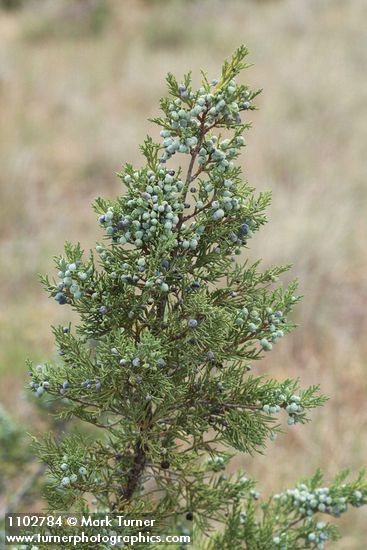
x=172, y=321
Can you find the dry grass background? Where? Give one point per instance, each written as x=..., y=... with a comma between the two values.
x=77, y=83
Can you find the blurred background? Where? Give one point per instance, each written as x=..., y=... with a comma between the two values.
x=78, y=80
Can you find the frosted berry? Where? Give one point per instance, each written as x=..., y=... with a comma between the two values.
x=61, y=298
x=244, y=229
x=266, y=345
x=218, y=214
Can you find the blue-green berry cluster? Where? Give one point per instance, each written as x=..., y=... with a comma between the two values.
x=133, y=273
x=71, y=477
x=150, y=208
x=294, y=408
x=39, y=380
x=219, y=199
x=309, y=502
x=316, y=538
x=190, y=237
x=188, y=112
x=244, y=232
x=72, y=280
x=89, y=384
x=277, y=400
x=265, y=326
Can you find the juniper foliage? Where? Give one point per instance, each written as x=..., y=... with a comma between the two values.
x=171, y=322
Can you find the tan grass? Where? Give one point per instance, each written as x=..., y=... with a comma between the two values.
x=73, y=107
